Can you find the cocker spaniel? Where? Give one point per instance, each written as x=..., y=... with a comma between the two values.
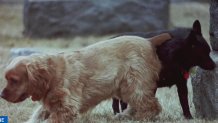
x=70, y=83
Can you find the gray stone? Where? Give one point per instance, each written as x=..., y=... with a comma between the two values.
x=213, y=24
x=50, y=18
x=205, y=91
x=180, y=1
x=14, y=52
x=11, y=2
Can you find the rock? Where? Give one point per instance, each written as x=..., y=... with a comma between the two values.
x=213, y=24
x=180, y=1
x=11, y=1
x=50, y=18
x=205, y=91
x=14, y=52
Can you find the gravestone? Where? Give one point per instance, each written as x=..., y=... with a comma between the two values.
x=205, y=83
x=54, y=18
x=205, y=91
x=180, y=1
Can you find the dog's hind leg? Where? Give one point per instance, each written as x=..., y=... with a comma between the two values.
x=123, y=105
x=138, y=91
x=142, y=106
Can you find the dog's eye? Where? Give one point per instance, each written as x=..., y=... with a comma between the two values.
x=14, y=81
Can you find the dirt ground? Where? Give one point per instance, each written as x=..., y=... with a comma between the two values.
x=11, y=37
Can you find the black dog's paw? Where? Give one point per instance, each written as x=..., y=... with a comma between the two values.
x=188, y=117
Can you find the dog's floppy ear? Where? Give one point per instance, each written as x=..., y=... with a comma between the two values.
x=196, y=27
x=34, y=71
x=38, y=79
x=160, y=39
x=30, y=72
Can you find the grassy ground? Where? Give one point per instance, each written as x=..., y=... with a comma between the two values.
x=11, y=37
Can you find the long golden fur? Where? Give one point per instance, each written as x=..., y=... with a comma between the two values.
x=70, y=83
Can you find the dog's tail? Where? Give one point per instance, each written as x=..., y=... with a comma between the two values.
x=159, y=39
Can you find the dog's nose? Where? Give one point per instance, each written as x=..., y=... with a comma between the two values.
x=3, y=94
x=209, y=66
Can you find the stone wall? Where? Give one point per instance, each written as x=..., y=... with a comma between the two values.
x=11, y=1
x=179, y=1
x=49, y=18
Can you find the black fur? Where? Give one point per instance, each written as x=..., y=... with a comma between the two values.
x=185, y=50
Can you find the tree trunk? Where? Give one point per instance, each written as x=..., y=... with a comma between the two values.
x=214, y=24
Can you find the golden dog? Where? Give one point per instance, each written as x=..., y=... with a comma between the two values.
x=70, y=83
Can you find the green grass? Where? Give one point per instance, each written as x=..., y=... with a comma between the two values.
x=11, y=37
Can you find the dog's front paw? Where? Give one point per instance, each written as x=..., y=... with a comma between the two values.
x=188, y=117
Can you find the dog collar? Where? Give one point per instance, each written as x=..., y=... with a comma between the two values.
x=185, y=74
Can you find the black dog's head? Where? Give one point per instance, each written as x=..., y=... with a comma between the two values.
x=194, y=50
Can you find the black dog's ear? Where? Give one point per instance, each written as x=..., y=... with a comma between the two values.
x=196, y=27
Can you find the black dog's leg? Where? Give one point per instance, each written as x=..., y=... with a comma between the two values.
x=123, y=105
x=183, y=97
x=115, y=106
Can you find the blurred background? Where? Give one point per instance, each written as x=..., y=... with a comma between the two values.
x=28, y=26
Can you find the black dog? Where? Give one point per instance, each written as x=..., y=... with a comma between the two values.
x=186, y=49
